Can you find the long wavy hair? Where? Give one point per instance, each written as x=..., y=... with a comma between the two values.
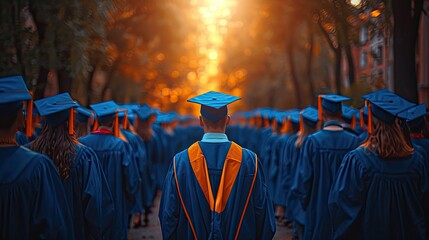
x=388, y=140
x=58, y=144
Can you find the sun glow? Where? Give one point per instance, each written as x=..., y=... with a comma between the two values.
x=214, y=17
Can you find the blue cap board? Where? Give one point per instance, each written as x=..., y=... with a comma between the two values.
x=144, y=112
x=332, y=102
x=294, y=116
x=375, y=94
x=55, y=109
x=83, y=114
x=214, y=104
x=310, y=116
x=105, y=111
x=348, y=113
x=13, y=92
x=414, y=116
x=386, y=106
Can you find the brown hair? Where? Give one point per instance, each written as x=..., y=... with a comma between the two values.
x=219, y=125
x=388, y=140
x=81, y=129
x=307, y=130
x=58, y=144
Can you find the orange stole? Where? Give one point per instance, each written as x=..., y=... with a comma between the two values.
x=229, y=173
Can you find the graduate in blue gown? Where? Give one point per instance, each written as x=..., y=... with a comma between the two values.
x=291, y=155
x=140, y=159
x=115, y=156
x=321, y=156
x=415, y=118
x=78, y=166
x=146, y=116
x=380, y=191
x=83, y=118
x=33, y=204
x=215, y=189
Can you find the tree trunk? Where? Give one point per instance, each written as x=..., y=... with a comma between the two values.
x=350, y=63
x=294, y=77
x=405, y=27
x=338, y=53
x=89, y=90
x=310, y=63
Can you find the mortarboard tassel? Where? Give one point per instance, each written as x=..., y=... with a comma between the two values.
x=361, y=120
x=29, y=120
x=301, y=123
x=116, y=125
x=95, y=127
x=369, y=118
x=319, y=107
x=125, y=123
x=136, y=121
x=71, y=121
x=353, y=123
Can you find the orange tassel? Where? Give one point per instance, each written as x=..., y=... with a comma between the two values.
x=136, y=121
x=361, y=120
x=319, y=107
x=29, y=120
x=95, y=127
x=301, y=123
x=353, y=123
x=125, y=123
x=369, y=118
x=71, y=121
x=116, y=125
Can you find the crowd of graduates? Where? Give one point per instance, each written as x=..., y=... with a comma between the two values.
x=333, y=172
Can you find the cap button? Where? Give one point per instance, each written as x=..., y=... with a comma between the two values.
x=214, y=98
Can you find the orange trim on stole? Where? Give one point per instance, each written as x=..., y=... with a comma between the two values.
x=181, y=200
x=248, y=198
x=229, y=173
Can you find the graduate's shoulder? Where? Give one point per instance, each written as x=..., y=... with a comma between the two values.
x=29, y=163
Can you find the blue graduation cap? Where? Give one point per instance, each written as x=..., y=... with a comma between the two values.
x=56, y=109
x=349, y=114
x=331, y=103
x=83, y=114
x=376, y=94
x=105, y=111
x=294, y=116
x=414, y=116
x=310, y=116
x=13, y=91
x=386, y=106
x=214, y=104
x=144, y=112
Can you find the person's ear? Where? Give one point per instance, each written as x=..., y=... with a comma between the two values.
x=228, y=119
x=201, y=122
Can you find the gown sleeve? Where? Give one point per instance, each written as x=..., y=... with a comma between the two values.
x=264, y=210
x=131, y=177
x=302, y=182
x=347, y=196
x=169, y=206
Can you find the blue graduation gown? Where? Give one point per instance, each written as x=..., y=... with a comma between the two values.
x=373, y=198
x=220, y=220
x=33, y=204
x=321, y=156
x=140, y=160
x=115, y=156
x=92, y=209
x=279, y=192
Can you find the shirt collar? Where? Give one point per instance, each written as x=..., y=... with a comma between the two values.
x=215, y=137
